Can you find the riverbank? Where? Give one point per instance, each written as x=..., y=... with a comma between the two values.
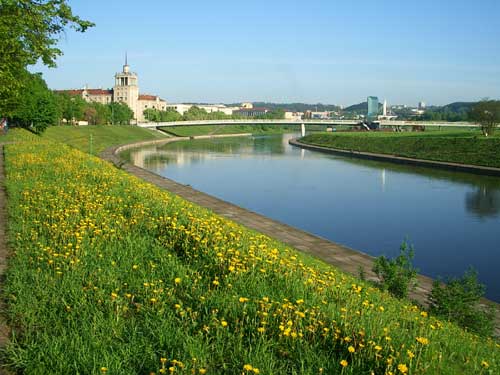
x=488, y=171
x=166, y=281
x=96, y=138
x=457, y=148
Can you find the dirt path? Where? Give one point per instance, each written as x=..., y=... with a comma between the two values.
x=4, y=329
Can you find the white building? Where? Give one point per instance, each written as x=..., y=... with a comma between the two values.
x=209, y=108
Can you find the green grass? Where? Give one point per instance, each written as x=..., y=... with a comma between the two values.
x=189, y=131
x=111, y=272
x=103, y=136
x=16, y=134
x=466, y=146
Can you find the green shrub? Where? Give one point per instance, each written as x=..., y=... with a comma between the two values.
x=397, y=276
x=457, y=300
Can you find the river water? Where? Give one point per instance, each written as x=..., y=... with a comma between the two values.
x=451, y=218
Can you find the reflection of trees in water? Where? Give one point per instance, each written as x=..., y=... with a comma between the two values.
x=484, y=202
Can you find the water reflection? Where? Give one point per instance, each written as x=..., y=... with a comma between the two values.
x=484, y=201
x=452, y=218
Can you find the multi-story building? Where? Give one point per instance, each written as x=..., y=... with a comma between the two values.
x=372, y=108
x=251, y=112
x=125, y=90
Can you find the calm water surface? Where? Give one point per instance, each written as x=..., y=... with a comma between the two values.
x=452, y=219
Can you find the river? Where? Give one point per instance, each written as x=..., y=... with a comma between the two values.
x=451, y=218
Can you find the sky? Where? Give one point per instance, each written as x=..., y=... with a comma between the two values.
x=311, y=51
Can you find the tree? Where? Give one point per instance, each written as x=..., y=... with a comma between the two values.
x=120, y=113
x=170, y=115
x=195, y=113
x=71, y=107
x=152, y=114
x=38, y=108
x=458, y=300
x=397, y=276
x=29, y=31
x=487, y=114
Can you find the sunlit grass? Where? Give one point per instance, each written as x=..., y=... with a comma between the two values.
x=95, y=138
x=113, y=275
x=465, y=147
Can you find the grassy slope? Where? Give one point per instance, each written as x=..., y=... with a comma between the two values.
x=102, y=136
x=467, y=147
x=112, y=272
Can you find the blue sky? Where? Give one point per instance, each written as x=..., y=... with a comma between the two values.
x=327, y=51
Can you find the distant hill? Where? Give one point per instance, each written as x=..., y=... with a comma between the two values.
x=361, y=107
x=457, y=111
x=457, y=107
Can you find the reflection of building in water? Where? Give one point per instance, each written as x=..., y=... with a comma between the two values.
x=383, y=180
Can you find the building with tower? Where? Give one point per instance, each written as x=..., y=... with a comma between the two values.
x=125, y=90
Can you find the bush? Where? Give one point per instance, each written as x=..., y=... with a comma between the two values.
x=397, y=275
x=457, y=300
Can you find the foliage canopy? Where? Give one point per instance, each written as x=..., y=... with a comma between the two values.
x=29, y=30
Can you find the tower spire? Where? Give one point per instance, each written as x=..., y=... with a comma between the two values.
x=126, y=62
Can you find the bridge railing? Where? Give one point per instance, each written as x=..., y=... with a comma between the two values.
x=299, y=122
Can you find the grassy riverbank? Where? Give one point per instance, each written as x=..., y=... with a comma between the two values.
x=96, y=138
x=466, y=147
x=113, y=275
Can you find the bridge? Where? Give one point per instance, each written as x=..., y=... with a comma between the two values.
x=383, y=123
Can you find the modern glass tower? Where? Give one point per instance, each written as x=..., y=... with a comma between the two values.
x=372, y=108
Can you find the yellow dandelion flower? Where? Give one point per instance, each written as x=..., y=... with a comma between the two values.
x=223, y=323
x=202, y=371
x=402, y=368
x=177, y=280
x=422, y=340
x=248, y=367
x=344, y=363
x=351, y=349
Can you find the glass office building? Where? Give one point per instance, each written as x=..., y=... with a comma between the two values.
x=372, y=108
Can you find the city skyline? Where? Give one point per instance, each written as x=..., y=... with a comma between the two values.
x=289, y=51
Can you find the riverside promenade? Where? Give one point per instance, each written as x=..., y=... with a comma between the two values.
x=340, y=256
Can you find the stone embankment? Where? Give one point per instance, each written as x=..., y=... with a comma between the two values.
x=476, y=169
